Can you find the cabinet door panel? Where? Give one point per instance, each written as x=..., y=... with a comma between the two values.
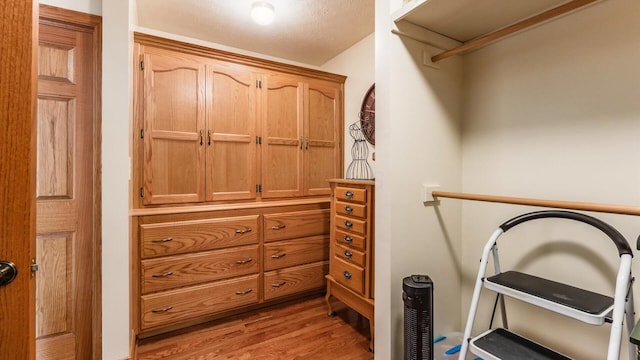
x=282, y=136
x=322, y=155
x=231, y=132
x=173, y=108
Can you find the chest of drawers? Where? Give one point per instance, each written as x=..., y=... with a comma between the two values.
x=351, y=269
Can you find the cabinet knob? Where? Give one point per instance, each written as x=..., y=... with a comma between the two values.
x=348, y=209
x=348, y=224
x=348, y=239
x=348, y=254
x=346, y=274
x=348, y=194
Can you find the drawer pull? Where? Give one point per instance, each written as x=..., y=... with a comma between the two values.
x=242, y=262
x=160, y=311
x=347, y=275
x=243, y=231
x=278, y=227
x=348, y=209
x=348, y=194
x=245, y=292
x=163, y=275
x=277, y=285
x=348, y=239
x=348, y=254
x=348, y=224
x=159, y=241
x=278, y=256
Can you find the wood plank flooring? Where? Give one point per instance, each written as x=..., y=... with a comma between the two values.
x=290, y=331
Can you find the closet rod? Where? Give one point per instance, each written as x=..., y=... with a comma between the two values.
x=571, y=205
x=534, y=20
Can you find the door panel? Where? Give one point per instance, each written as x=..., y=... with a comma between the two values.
x=65, y=194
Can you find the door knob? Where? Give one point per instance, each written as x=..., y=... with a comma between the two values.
x=8, y=272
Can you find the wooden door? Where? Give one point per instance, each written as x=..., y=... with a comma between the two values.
x=322, y=136
x=66, y=196
x=173, y=127
x=17, y=175
x=282, y=113
x=231, y=171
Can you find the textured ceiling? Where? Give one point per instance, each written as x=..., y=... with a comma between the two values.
x=306, y=31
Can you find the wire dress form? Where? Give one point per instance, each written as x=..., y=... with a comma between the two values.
x=359, y=167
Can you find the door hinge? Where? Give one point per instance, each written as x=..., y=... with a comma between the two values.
x=259, y=84
x=141, y=133
x=258, y=187
x=258, y=140
x=141, y=64
x=141, y=192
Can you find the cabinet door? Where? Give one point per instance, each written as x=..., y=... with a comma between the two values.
x=173, y=112
x=282, y=112
x=322, y=136
x=231, y=132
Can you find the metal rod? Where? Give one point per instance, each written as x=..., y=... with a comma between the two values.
x=571, y=205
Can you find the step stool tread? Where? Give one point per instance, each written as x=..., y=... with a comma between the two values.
x=567, y=295
x=505, y=345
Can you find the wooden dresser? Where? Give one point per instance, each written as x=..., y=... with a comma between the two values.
x=351, y=266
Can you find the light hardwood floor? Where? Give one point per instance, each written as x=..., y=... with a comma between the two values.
x=290, y=331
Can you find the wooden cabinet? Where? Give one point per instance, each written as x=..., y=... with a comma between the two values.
x=351, y=273
x=215, y=127
x=193, y=267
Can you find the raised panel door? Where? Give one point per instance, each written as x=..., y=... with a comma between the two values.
x=322, y=135
x=231, y=171
x=282, y=112
x=174, y=124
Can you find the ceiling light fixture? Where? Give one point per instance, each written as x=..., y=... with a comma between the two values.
x=262, y=13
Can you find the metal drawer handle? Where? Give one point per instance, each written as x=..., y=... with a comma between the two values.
x=346, y=274
x=243, y=231
x=241, y=262
x=348, y=209
x=245, y=292
x=160, y=311
x=158, y=241
x=348, y=254
x=348, y=194
x=166, y=274
x=348, y=224
x=278, y=256
x=278, y=227
x=277, y=285
x=348, y=239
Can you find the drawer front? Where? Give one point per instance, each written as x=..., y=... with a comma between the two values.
x=351, y=209
x=351, y=194
x=294, y=280
x=351, y=225
x=168, y=307
x=349, y=275
x=287, y=253
x=350, y=239
x=350, y=255
x=188, y=236
x=176, y=271
x=296, y=224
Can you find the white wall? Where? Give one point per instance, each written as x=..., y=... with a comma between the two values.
x=418, y=140
x=86, y=6
x=554, y=113
x=357, y=63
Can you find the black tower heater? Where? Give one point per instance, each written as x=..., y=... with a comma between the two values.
x=417, y=293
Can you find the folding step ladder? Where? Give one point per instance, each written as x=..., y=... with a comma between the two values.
x=576, y=303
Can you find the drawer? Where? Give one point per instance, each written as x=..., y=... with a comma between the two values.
x=351, y=225
x=296, y=224
x=190, y=269
x=188, y=236
x=350, y=239
x=351, y=209
x=351, y=194
x=349, y=275
x=295, y=280
x=350, y=255
x=287, y=253
x=169, y=307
